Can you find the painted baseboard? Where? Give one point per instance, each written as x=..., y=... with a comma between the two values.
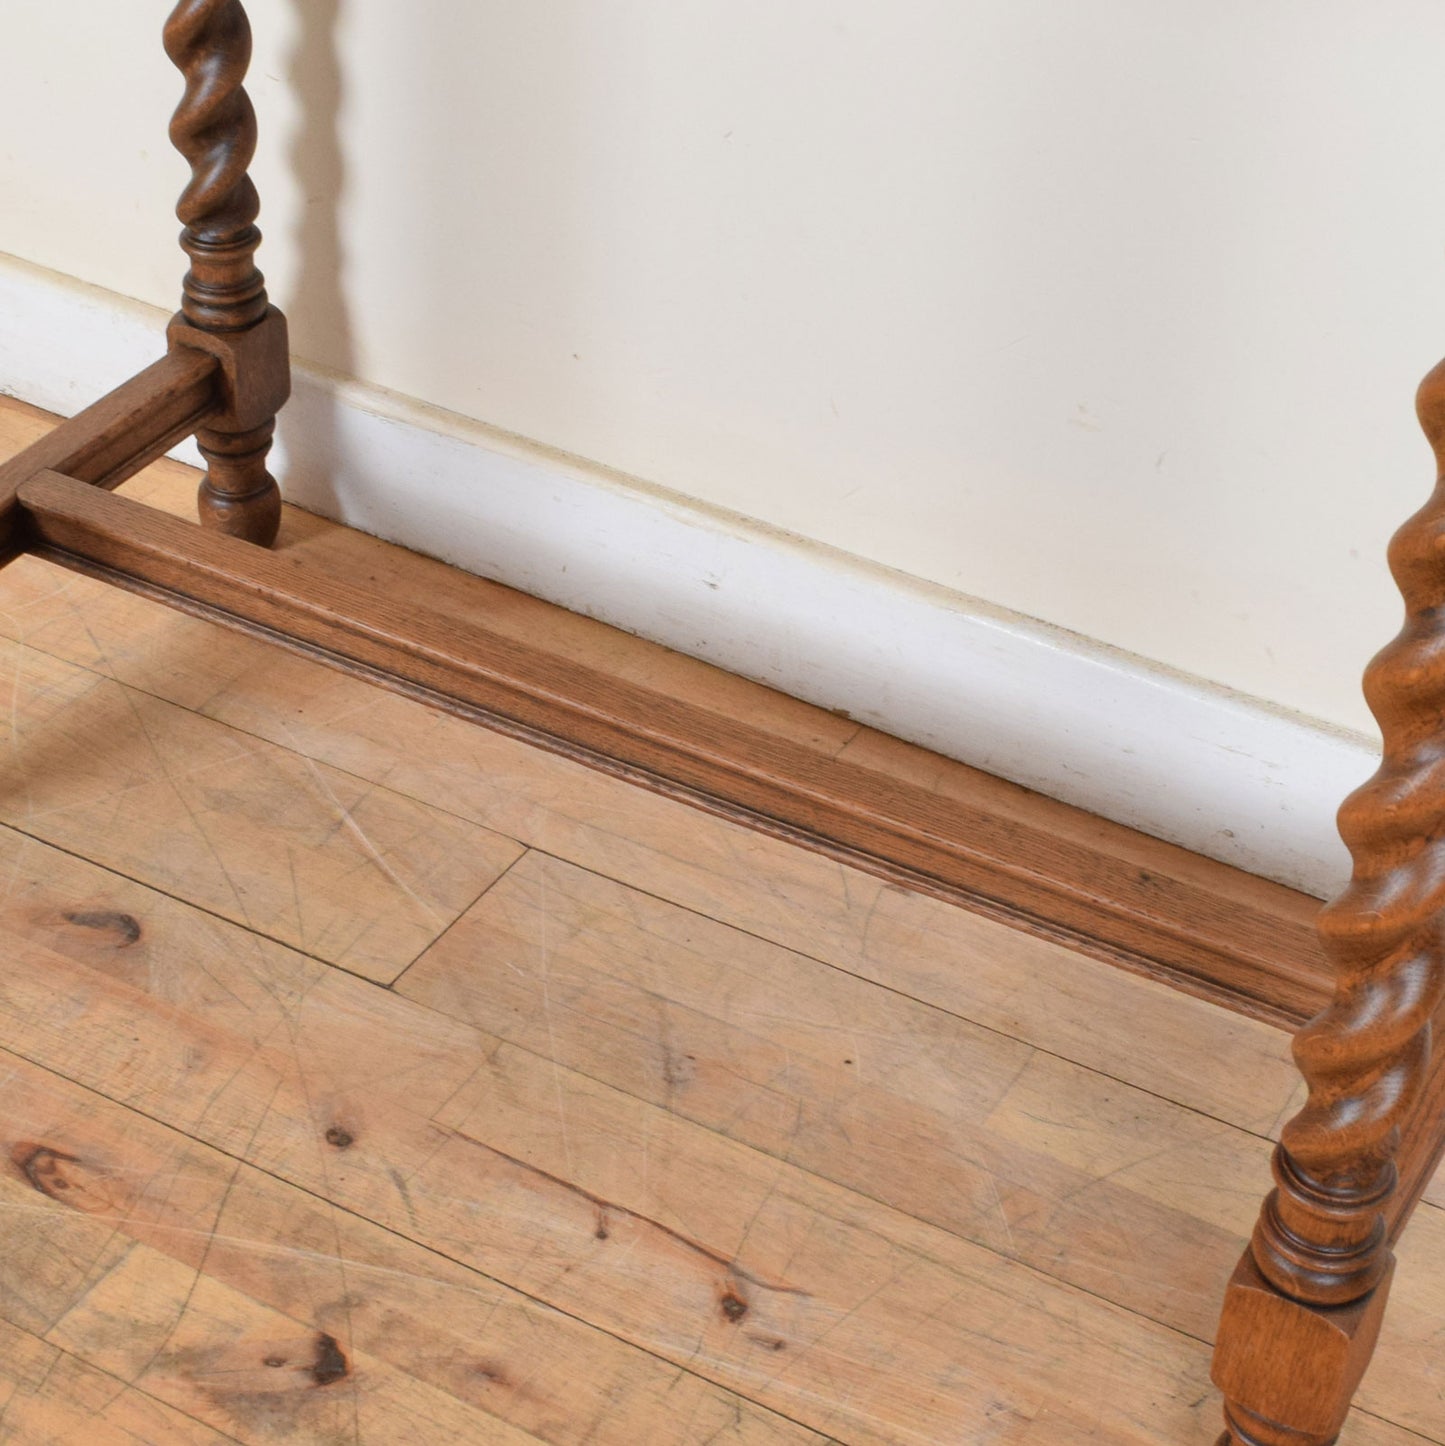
x=1222, y=774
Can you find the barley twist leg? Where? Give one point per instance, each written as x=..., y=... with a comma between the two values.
x=224, y=307
x=1320, y=1260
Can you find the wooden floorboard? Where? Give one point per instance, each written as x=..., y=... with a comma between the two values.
x=759, y=1276
x=271, y=1314
x=49, y=1395
x=667, y=1131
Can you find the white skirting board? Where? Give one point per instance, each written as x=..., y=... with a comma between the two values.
x=1184, y=760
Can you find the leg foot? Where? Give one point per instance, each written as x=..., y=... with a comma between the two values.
x=1289, y=1370
x=238, y=496
x=1247, y=1429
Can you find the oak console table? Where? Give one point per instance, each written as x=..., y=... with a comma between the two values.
x=1303, y=1309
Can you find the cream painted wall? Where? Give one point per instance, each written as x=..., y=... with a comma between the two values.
x=1108, y=311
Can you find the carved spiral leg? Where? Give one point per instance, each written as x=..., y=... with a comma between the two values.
x=225, y=309
x=1321, y=1249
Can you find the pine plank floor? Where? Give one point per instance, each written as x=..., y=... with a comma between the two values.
x=366, y=1076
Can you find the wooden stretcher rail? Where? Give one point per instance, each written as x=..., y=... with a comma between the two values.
x=124, y=431
x=1051, y=884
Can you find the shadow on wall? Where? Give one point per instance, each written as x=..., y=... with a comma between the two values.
x=317, y=309
x=471, y=181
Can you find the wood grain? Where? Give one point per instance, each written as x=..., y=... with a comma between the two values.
x=49, y=1396
x=345, y=870
x=267, y=1313
x=1039, y=1160
x=841, y=1314
x=264, y=1052
x=853, y=1083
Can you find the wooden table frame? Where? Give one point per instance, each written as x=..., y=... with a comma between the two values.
x=1303, y=1309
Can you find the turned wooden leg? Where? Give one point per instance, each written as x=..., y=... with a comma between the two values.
x=238, y=495
x=225, y=309
x=1302, y=1313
